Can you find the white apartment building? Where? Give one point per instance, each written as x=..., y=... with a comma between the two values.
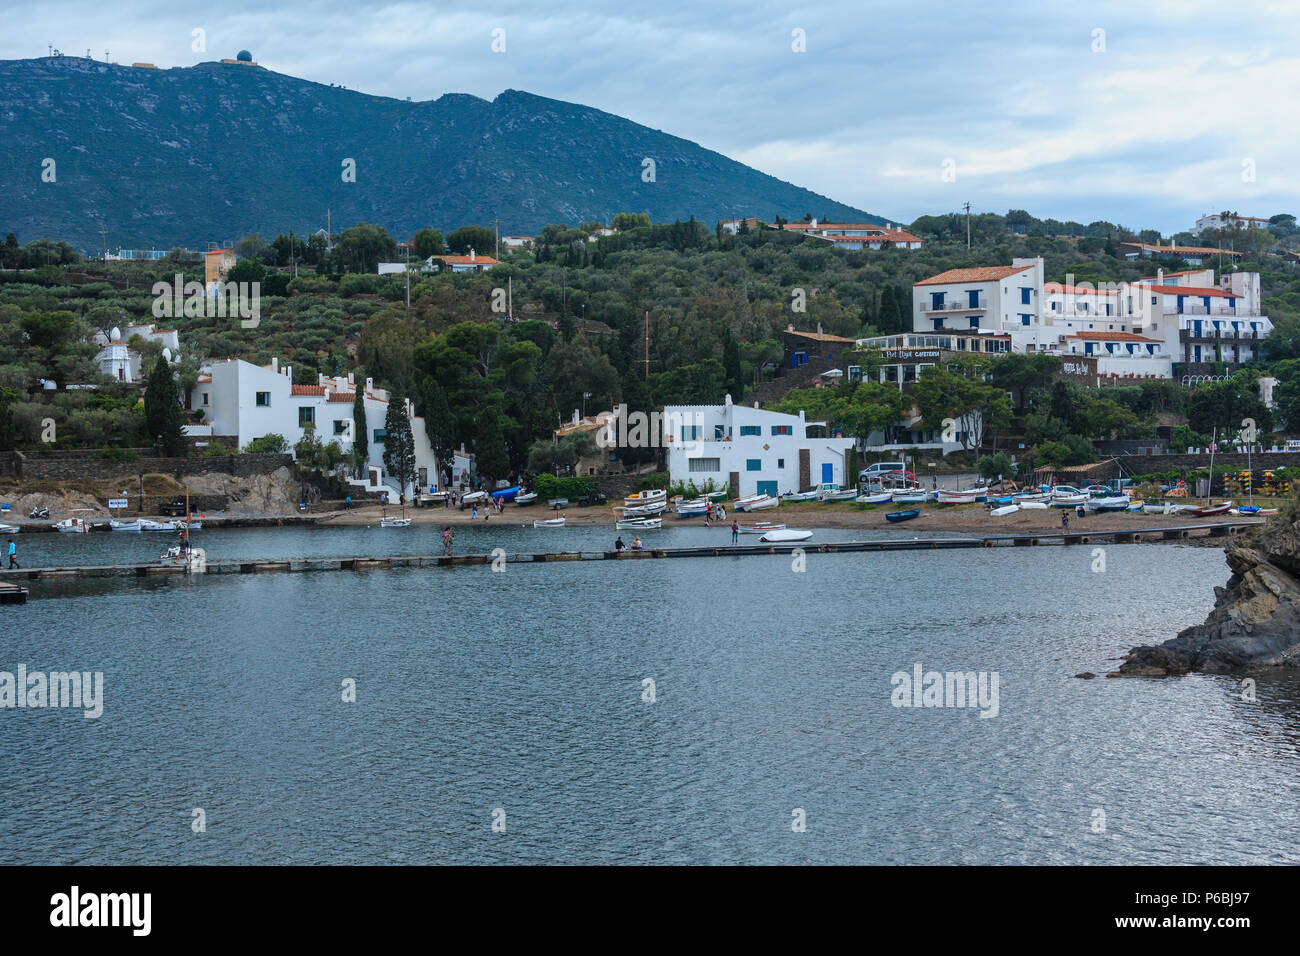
x=986, y=300
x=1220, y=220
x=248, y=401
x=751, y=450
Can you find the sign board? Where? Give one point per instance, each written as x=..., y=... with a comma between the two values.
x=910, y=355
x=117, y=502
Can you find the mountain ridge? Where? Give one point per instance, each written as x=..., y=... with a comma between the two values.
x=214, y=151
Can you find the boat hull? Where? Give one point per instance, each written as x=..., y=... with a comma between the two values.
x=897, y=516
x=786, y=534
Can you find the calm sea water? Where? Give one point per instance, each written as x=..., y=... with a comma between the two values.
x=523, y=691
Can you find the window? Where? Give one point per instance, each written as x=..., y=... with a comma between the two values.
x=340, y=426
x=1024, y=319
x=751, y=430
x=974, y=322
x=782, y=429
x=380, y=435
x=753, y=464
x=704, y=464
x=690, y=432
x=205, y=398
x=306, y=416
x=780, y=463
x=263, y=399
x=936, y=300
x=973, y=298
x=1024, y=295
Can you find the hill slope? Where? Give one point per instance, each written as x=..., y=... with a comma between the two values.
x=215, y=151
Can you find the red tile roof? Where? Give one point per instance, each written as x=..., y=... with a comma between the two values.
x=882, y=235
x=823, y=337
x=1190, y=290
x=983, y=274
x=1111, y=337
x=307, y=390
x=466, y=260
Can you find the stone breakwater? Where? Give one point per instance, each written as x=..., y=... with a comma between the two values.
x=1256, y=617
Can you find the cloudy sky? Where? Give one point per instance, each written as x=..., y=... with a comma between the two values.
x=1148, y=114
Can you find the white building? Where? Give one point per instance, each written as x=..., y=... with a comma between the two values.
x=248, y=401
x=120, y=361
x=1220, y=220
x=751, y=450
x=859, y=235
x=989, y=299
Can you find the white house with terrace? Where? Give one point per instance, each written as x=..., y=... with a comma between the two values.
x=246, y=401
x=751, y=450
x=989, y=299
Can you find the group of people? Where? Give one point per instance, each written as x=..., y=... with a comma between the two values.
x=712, y=514
x=636, y=544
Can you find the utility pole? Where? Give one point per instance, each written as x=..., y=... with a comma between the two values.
x=408, y=280
x=496, y=248
x=967, y=207
x=647, y=345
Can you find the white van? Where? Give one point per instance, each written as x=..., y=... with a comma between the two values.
x=872, y=472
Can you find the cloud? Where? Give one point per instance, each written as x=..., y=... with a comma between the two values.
x=1150, y=132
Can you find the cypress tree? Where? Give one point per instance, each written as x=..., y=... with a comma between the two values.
x=360, y=428
x=490, y=449
x=162, y=409
x=399, y=443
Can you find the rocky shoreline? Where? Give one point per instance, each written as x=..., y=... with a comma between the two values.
x=1256, y=617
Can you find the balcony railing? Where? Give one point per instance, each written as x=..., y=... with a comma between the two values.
x=958, y=306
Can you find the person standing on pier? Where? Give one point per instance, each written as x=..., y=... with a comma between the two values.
x=735, y=533
x=1065, y=521
x=446, y=540
x=13, y=549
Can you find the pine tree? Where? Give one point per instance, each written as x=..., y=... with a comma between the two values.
x=490, y=448
x=439, y=425
x=162, y=409
x=360, y=428
x=891, y=313
x=399, y=443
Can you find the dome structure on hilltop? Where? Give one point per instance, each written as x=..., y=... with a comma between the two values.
x=245, y=56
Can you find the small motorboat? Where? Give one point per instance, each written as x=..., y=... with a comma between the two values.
x=1033, y=505
x=877, y=499
x=507, y=494
x=800, y=495
x=473, y=496
x=71, y=526
x=1158, y=508
x=1069, y=500
x=164, y=526
x=394, y=522
x=843, y=494
x=897, y=516
x=956, y=497
x=1112, y=503
x=761, y=527
x=756, y=503
x=910, y=497
x=692, y=508
x=647, y=511
x=786, y=534
x=129, y=526
x=649, y=496
x=1212, y=510
x=527, y=498
x=9, y=529
x=1024, y=496
x=548, y=523
x=1135, y=507
x=1004, y=510
x=639, y=524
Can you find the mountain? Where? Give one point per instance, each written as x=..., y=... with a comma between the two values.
x=209, y=153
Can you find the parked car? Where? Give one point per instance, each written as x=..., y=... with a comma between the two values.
x=872, y=472
x=173, y=509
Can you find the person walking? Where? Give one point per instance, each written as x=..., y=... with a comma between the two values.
x=735, y=533
x=1065, y=521
x=13, y=550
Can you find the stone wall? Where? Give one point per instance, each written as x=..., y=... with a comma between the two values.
x=73, y=465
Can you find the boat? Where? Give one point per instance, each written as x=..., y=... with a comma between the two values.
x=394, y=522
x=755, y=503
x=557, y=502
x=761, y=527
x=649, y=496
x=646, y=511
x=549, y=523
x=800, y=495
x=129, y=526
x=945, y=497
x=9, y=529
x=1069, y=500
x=638, y=524
x=1112, y=503
x=72, y=525
x=1004, y=510
x=189, y=525
x=1032, y=505
x=877, y=499
x=689, y=509
x=786, y=534
x=897, y=516
x=843, y=494
x=1135, y=507
x=1158, y=508
x=527, y=498
x=507, y=494
x=1211, y=510
x=196, y=559
x=473, y=496
x=715, y=495
x=910, y=497
x=164, y=526
x=1023, y=496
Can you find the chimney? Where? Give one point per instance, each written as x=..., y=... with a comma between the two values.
x=819, y=330
x=370, y=384
x=1160, y=276
x=790, y=327
x=275, y=364
x=288, y=371
x=471, y=253
x=1173, y=243
x=814, y=223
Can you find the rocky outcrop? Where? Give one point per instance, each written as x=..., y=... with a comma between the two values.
x=1256, y=618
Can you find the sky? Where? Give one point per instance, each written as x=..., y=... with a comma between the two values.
x=1145, y=114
